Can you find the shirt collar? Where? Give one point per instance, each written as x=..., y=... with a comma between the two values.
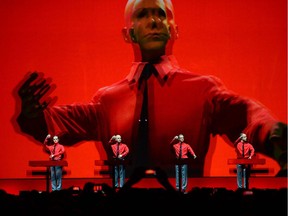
x=166, y=66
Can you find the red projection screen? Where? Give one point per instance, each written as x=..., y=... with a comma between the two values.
x=79, y=45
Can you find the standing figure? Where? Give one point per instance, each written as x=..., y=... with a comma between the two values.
x=182, y=152
x=244, y=150
x=119, y=151
x=56, y=151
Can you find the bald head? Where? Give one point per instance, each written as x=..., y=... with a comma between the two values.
x=118, y=138
x=133, y=5
x=146, y=17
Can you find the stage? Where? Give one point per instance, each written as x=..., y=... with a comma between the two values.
x=15, y=186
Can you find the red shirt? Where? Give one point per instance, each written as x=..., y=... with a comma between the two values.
x=57, y=150
x=186, y=149
x=123, y=150
x=248, y=150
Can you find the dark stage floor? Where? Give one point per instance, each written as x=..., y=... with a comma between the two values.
x=14, y=186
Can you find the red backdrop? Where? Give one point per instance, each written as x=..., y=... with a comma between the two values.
x=241, y=41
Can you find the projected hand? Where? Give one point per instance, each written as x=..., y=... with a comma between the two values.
x=32, y=93
x=278, y=142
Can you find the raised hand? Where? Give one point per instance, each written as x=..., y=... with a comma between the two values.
x=113, y=138
x=33, y=95
x=174, y=138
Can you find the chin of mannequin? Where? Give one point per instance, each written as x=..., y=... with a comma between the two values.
x=130, y=38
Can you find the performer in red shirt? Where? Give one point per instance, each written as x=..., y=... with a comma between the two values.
x=173, y=98
x=244, y=150
x=119, y=153
x=182, y=152
x=56, y=151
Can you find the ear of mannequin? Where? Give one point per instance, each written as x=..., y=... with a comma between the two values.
x=132, y=35
x=173, y=32
x=127, y=35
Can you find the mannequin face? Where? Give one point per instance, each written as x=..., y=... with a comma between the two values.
x=55, y=139
x=150, y=28
x=244, y=138
x=118, y=138
x=181, y=138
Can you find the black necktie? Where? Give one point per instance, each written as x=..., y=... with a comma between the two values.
x=53, y=151
x=117, y=153
x=142, y=145
x=180, y=151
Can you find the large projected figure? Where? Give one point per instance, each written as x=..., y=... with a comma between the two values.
x=156, y=100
